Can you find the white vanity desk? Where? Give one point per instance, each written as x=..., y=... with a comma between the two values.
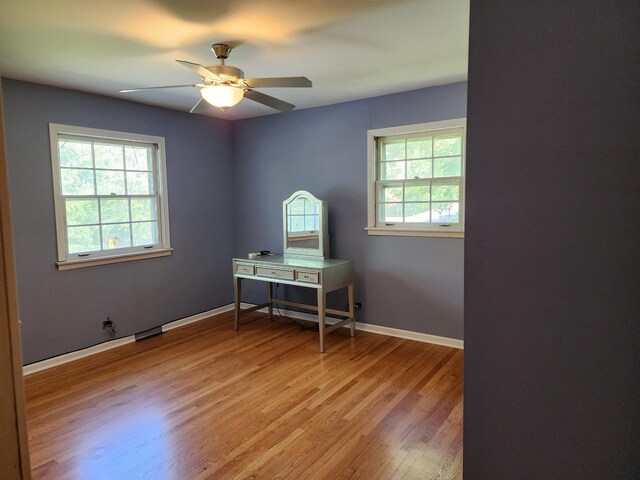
x=304, y=264
x=323, y=275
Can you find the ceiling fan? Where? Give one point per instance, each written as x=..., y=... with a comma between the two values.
x=223, y=86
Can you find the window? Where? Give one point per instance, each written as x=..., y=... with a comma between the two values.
x=416, y=179
x=110, y=196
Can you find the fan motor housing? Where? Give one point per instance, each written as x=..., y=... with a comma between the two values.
x=226, y=71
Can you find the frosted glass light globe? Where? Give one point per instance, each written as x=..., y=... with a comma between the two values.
x=222, y=96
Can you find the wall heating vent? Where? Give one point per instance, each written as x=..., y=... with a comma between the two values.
x=152, y=332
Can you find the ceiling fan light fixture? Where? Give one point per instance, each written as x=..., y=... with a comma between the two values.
x=223, y=86
x=222, y=96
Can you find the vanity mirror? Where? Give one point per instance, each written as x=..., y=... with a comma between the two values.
x=304, y=221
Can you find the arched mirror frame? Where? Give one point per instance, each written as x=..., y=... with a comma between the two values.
x=323, y=234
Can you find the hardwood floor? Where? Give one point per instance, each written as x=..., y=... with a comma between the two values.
x=205, y=402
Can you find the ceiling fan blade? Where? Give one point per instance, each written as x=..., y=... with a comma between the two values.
x=155, y=88
x=201, y=107
x=268, y=100
x=277, y=82
x=199, y=69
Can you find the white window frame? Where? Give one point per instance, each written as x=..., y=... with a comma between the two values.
x=163, y=248
x=374, y=227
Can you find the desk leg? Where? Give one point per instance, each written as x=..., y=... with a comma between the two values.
x=269, y=296
x=352, y=310
x=321, y=301
x=237, y=287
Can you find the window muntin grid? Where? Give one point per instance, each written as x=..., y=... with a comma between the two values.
x=420, y=180
x=97, y=176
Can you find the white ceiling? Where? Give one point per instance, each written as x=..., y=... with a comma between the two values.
x=350, y=49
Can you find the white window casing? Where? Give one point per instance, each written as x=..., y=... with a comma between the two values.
x=110, y=196
x=416, y=179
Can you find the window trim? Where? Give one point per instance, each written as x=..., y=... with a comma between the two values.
x=412, y=230
x=163, y=248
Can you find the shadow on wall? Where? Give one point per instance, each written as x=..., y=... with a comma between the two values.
x=347, y=219
x=390, y=311
x=396, y=312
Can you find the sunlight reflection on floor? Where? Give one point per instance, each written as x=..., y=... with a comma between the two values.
x=136, y=446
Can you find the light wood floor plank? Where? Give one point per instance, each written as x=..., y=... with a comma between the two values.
x=205, y=402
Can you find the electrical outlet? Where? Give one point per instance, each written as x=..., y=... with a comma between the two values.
x=357, y=306
x=109, y=327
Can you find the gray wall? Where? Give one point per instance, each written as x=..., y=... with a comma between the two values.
x=552, y=313
x=403, y=282
x=63, y=311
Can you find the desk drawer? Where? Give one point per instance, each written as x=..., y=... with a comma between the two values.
x=245, y=269
x=308, y=277
x=275, y=273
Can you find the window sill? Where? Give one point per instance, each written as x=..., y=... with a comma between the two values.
x=397, y=232
x=126, y=257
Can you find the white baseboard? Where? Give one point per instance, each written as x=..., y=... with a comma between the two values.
x=409, y=335
x=363, y=327
x=118, y=342
x=78, y=354
x=368, y=327
x=196, y=318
